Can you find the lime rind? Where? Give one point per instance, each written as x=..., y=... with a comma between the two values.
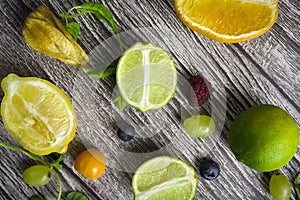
x=181, y=180
x=146, y=77
x=264, y=137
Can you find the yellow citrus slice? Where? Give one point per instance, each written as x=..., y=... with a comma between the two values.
x=38, y=114
x=228, y=20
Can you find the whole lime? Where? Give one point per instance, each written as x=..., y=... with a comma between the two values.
x=264, y=138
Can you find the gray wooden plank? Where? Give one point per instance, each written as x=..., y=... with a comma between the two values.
x=238, y=67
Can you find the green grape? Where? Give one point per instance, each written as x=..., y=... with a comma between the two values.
x=37, y=175
x=280, y=187
x=199, y=126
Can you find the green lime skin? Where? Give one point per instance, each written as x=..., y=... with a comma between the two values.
x=264, y=138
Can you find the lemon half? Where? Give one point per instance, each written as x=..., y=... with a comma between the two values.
x=38, y=114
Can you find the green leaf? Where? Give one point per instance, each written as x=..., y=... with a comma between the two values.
x=114, y=100
x=100, y=11
x=120, y=101
x=122, y=104
x=297, y=188
x=297, y=185
x=37, y=197
x=76, y=196
x=57, y=163
x=74, y=29
x=97, y=72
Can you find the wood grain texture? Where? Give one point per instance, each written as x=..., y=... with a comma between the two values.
x=264, y=70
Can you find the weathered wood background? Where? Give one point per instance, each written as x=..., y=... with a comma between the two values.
x=264, y=70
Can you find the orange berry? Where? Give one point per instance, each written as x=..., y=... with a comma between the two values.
x=90, y=163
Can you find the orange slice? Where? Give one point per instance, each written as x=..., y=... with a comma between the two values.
x=38, y=114
x=228, y=20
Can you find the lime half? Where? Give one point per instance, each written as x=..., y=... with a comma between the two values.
x=146, y=76
x=164, y=177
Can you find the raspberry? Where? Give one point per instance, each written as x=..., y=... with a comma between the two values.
x=200, y=91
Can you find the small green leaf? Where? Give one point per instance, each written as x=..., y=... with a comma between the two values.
x=297, y=185
x=297, y=188
x=76, y=196
x=120, y=101
x=37, y=197
x=74, y=29
x=97, y=72
x=100, y=11
x=122, y=104
x=297, y=178
x=114, y=100
x=57, y=163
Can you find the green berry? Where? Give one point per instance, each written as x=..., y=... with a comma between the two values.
x=37, y=175
x=280, y=187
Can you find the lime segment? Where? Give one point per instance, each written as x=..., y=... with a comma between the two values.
x=146, y=76
x=164, y=178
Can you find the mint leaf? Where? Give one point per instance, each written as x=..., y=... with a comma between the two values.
x=74, y=29
x=120, y=101
x=97, y=72
x=76, y=196
x=100, y=11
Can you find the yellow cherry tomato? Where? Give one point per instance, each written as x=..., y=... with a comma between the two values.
x=90, y=163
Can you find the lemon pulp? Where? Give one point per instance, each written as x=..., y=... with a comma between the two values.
x=38, y=114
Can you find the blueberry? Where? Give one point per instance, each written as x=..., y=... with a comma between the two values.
x=209, y=169
x=125, y=136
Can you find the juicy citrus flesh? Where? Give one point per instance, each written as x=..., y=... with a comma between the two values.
x=228, y=20
x=90, y=163
x=164, y=177
x=146, y=76
x=264, y=138
x=38, y=114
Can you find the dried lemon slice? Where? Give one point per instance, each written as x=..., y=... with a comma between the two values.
x=38, y=114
